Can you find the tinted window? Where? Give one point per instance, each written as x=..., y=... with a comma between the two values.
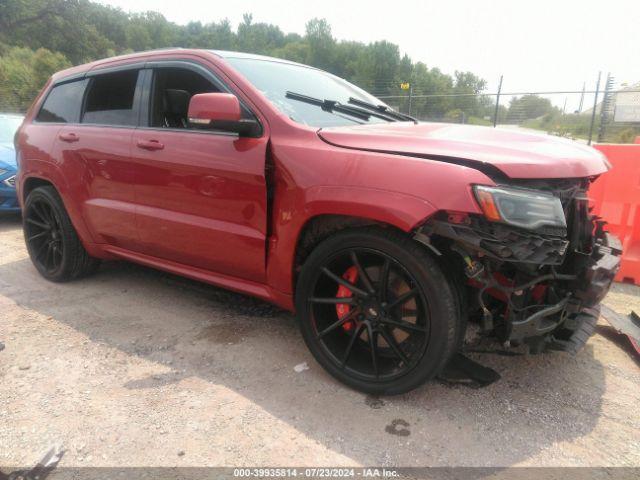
x=172, y=90
x=63, y=103
x=110, y=100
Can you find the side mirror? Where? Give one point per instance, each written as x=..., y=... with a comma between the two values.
x=221, y=111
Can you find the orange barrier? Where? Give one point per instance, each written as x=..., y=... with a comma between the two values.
x=616, y=198
x=637, y=140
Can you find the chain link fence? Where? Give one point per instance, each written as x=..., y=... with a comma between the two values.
x=606, y=113
x=610, y=113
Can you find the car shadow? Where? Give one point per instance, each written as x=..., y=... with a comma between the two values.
x=10, y=221
x=250, y=347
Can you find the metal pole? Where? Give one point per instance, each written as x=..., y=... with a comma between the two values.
x=495, y=114
x=410, y=96
x=582, y=97
x=605, y=105
x=593, y=113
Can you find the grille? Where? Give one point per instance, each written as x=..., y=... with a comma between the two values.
x=11, y=181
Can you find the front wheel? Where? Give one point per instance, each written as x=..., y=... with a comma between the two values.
x=376, y=310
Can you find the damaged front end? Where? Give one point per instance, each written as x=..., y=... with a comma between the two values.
x=536, y=265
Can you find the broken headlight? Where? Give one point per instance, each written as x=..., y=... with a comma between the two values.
x=520, y=207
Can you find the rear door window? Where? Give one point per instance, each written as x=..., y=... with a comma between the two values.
x=111, y=99
x=63, y=104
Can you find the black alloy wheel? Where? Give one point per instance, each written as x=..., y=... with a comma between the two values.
x=377, y=311
x=53, y=244
x=43, y=234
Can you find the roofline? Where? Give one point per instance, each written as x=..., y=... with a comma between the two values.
x=223, y=54
x=86, y=67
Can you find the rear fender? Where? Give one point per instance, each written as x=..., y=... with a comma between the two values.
x=49, y=172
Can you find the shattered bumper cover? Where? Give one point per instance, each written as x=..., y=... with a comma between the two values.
x=565, y=323
x=578, y=313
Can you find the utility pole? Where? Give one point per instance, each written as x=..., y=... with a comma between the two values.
x=582, y=97
x=408, y=86
x=410, y=96
x=605, y=107
x=595, y=104
x=495, y=114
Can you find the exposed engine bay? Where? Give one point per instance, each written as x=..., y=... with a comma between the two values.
x=536, y=284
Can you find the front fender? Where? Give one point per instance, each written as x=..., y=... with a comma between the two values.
x=399, y=210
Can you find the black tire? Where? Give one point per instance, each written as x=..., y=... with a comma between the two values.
x=428, y=344
x=52, y=242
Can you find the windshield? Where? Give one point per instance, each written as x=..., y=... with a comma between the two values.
x=8, y=127
x=275, y=78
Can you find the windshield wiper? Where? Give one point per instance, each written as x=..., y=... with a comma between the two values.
x=382, y=109
x=335, y=106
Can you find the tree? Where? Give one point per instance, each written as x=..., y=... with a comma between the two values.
x=528, y=107
x=258, y=37
x=321, y=43
x=78, y=31
x=23, y=73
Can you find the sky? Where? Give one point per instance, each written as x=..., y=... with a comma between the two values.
x=539, y=45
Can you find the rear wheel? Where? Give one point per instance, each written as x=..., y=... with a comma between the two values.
x=52, y=242
x=376, y=311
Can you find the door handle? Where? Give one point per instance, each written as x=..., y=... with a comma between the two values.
x=69, y=137
x=150, y=145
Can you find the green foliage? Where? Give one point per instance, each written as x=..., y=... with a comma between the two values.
x=23, y=72
x=627, y=135
x=81, y=31
x=529, y=107
x=577, y=126
x=556, y=123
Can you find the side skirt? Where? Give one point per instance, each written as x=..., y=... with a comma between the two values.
x=239, y=285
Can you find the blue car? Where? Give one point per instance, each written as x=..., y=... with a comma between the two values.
x=9, y=124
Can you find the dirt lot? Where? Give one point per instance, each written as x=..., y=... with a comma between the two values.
x=132, y=367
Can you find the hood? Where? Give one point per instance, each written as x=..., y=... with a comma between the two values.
x=516, y=154
x=7, y=156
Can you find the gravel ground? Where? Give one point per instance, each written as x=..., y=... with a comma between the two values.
x=132, y=367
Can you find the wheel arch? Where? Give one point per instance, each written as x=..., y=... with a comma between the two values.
x=32, y=181
x=329, y=210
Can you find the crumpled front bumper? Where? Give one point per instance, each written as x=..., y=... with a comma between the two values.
x=569, y=324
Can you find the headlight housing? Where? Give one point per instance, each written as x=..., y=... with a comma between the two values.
x=530, y=209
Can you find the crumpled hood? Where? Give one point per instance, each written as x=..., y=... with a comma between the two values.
x=517, y=154
x=7, y=156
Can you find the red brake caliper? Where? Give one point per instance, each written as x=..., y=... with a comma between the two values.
x=342, y=309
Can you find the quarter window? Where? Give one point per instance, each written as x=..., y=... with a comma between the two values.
x=63, y=104
x=110, y=100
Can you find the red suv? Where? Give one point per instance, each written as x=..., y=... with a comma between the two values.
x=385, y=235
